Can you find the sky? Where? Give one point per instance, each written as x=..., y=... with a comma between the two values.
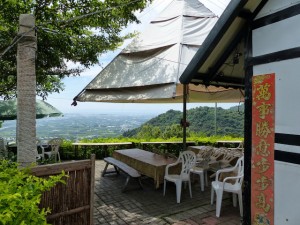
x=74, y=85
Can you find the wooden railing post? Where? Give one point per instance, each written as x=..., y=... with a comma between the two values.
x=93, y=157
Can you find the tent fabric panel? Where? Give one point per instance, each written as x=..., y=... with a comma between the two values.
x=184, y=30
x=156, y=35
x=229, y=96
x=195, y=30
x=134, y=71
x=210, y=89
x=216, y=7
x=201, y=93
x=196, y=9
x=129, y=94
x=157, y=57
x=167, y=93
x=186, y=22
x=187, y=52
x=184, y=8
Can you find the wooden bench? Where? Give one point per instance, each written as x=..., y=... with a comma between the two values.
x=118, y=165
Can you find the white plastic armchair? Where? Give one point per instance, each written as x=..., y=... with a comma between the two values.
x=201, y=167
x=188, y=160
x=216, y=154
x=228, y=157
x=54, y=146
x=41, y=154
x=232, y=184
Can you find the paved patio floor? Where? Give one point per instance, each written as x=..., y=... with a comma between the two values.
x=149, y=206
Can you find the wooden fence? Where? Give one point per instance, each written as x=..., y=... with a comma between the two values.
x=70, y=203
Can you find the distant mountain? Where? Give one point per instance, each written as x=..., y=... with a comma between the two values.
x=201, y=119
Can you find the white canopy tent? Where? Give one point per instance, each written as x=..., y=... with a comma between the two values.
x=148, y=69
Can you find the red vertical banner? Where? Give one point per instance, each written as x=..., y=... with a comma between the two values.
x=263, y=133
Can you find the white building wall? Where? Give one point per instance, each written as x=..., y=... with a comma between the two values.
x=273, y=6
x=287, y=112
x=268, y=39
x=277, y=36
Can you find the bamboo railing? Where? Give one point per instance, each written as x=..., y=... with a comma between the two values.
x=70, y=203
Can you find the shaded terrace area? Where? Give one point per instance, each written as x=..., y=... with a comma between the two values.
x=149, y=206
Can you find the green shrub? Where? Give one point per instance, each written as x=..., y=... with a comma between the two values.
x=21, y=194
x=174, y=134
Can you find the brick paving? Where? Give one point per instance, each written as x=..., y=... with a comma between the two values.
x=149, y=206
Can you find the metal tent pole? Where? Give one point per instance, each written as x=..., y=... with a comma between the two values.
x=216, y=105
x=184, y=115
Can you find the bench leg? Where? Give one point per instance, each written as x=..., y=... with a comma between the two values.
x=104, y=171
x=117, y=170
x=126, y=183
x=140, y=183
x=105, y=168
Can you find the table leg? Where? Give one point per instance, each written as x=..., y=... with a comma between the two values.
x=105, y=151
x=75, y=151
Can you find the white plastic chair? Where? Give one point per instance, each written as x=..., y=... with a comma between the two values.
x=54, y=146
x=42, y=154
x=188, y=160
x=201, y=167
x=202, y=172
x=235, y=187
x=229, y=155
x=216, y=154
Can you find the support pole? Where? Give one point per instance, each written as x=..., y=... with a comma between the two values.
x=216, y=106
x=246, y=220
x=184, y=116
x=26, y=91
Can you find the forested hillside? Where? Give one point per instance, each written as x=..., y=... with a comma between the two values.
x=201, y=120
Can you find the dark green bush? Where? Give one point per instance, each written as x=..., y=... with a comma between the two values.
x=67, y=151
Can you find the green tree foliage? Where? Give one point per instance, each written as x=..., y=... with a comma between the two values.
x=67, y=30
x=148, y=132
x=202, y=121
x=229, y=121
x=162, y=122
x=173, y=131
x=21, y=195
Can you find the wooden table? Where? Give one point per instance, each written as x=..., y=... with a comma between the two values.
x=147, y=163
x=105, y=145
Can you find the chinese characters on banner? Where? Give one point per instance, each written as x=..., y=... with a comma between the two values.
x=262, y=171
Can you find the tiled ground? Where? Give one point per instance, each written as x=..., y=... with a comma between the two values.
x=149, y=206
